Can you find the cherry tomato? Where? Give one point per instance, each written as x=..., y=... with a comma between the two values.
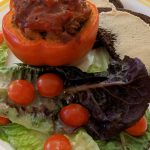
x=74, y=115
x=21, y=92
x=139, y=128
x=57, y=142
x=50, y=85
x=4, y=121
x=1, y=37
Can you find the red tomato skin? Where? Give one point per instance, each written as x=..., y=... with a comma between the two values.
x=1, y=37
x=11, y=4
x=57, y=142
x=74, y=115
x=139, y=128
x=4, y=121
x=21, y=92
x=50, y=3
x=50, y=85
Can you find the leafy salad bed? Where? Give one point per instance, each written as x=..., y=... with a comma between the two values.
x=25, y=138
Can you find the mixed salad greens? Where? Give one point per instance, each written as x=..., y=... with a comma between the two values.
x=29, y=132
x=3, y=54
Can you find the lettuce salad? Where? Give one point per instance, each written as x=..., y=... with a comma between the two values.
x=26, y=138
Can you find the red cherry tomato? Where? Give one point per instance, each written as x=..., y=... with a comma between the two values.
x=1, y=37
x=57, y=142
x=74, y=115
x=21, y=92
x=50, y=85
x=139, y=128
x=4, y=121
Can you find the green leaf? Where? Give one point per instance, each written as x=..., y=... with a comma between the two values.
x=100, y=61
x=109, y=145
x=24, y=139
x=36, y=122
x=31, y=121
x=21, y=138
x=5, y=79
x=96, y=60
x=83, y=141
x=3, y=54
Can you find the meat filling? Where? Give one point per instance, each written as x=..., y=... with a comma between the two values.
x=50, y=19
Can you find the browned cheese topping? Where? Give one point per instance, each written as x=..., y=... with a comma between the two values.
x=50, y=19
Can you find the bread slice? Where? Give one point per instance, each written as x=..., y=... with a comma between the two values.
x=125, y=33
x=108, y=5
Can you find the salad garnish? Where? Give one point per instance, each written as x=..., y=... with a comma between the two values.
x=105, y=95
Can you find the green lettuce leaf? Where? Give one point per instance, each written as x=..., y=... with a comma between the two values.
x=100, y=61
x=96, y=60
x=3, y=54
x=82, y=141
x=31, y=121
x=22, y=138
x=127, y=142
